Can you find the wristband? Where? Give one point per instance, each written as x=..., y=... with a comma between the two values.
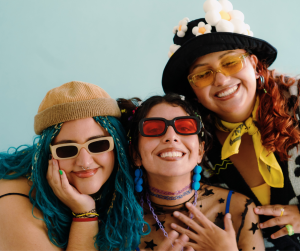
x=85, y=219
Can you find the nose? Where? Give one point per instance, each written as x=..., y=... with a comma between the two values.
x=170, y=135
x=84, y=159
x=220, y=79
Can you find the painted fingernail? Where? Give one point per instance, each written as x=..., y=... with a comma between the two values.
x=60, y=172
x=176, y=214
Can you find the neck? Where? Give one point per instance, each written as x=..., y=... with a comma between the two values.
x=170, y=184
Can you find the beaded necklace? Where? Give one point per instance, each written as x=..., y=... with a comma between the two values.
x=162, y=192
x=156, y=218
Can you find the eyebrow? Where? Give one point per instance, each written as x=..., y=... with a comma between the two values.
x=220, y=57
x=73, y=141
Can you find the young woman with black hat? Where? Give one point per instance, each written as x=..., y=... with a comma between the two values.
x=82, y=197
x=251, y=111
x=168, y=142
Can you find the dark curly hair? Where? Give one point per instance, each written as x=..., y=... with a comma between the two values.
x=132, y=114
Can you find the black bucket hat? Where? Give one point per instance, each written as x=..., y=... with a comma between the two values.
x=192, y=47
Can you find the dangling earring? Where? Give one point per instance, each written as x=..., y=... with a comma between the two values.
x=196, y=177
x=138, y=180
x=262, y=82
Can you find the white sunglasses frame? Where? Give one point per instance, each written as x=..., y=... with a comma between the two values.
x=85, y=146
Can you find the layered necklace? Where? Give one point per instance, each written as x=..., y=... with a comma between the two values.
x=165, y=195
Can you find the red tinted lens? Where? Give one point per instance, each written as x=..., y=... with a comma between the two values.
x=153, y=127
x=186, y=126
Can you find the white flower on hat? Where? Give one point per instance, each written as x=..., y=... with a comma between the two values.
x=173, y=48
x=221, y=15
x=202, y=28
x=181, y=28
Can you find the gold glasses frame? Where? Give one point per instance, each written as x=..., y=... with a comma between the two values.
x=191, y=77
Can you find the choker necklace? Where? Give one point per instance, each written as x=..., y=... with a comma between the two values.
x=161, y=192
x=156, y=218
x=164, y=197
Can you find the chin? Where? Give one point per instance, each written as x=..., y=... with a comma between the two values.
x=88, y=189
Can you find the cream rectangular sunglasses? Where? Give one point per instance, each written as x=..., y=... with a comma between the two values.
x=71, y=150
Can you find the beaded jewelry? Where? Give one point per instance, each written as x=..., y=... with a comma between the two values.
x=164, y=197
x=138, y=180
x=196, y=177
x=89, y=214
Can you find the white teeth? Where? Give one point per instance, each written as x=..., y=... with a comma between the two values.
x=171, y=154
x=227, y=92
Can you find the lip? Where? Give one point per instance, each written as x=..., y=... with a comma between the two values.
x=229, y=96
x=87, y=173
x=171, y=150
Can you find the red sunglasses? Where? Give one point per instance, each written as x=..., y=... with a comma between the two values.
x=155, y=127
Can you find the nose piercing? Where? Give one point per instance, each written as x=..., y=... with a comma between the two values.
x=84, y=168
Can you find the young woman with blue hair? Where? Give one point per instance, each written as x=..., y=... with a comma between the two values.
x=73, y=188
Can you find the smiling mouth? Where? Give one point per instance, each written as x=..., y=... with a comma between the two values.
x=227, y=92
x=86, y=173
x=171, y=154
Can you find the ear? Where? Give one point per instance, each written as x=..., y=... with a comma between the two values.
x=201, y=151
x=136, y=157
x=254, y=60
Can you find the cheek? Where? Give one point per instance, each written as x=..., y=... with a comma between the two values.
x=147, y=146
x=66, y=165
x=105, y=159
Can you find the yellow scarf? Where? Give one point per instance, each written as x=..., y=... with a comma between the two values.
x=267, y=163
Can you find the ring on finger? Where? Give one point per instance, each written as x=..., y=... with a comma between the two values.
x=282, y=211
x=289, y=229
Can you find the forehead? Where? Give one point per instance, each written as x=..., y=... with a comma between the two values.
x=167, y=111
x=217, y=55
x=80, y=130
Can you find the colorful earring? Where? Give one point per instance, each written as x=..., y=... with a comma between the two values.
x=196, y=177
x=262, y=81
x=138, y=180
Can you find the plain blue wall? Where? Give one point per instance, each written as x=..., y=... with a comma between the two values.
x=119, y=45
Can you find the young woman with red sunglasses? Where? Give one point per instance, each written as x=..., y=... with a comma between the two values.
x=73, y=189
x=167, y=145
x=252, y=113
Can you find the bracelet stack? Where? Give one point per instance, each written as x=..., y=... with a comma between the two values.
x=88, y=216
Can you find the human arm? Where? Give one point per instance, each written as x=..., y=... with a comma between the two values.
x=81, y=236
x=290, y=215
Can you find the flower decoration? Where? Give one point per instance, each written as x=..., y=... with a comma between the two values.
x=181, y=28
x=173, y=48
x=221, y=15
x=202, y=28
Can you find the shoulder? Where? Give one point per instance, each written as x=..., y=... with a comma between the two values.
x=19, y=185
x=19, y=219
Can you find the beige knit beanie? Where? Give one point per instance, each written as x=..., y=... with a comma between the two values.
x=74, y=100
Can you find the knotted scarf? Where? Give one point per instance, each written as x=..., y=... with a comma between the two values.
x=267, y=163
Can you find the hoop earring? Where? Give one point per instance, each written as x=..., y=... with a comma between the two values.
x=138, y=180
x=196, y=177
x=262, y=82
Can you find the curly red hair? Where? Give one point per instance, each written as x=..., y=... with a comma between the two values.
x=278, y=126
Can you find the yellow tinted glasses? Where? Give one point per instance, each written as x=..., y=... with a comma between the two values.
x=228, y=66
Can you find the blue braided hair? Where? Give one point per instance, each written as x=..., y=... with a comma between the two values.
x=121, y=216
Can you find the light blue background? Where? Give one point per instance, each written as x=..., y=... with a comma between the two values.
x=120, y=45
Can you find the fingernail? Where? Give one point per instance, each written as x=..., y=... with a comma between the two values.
x=188, y=204
x=259, y=207
x=272, y=236
x=60, y=172
x=173, y=225
x=261, y=225
x=176, y=214
x=229, y=215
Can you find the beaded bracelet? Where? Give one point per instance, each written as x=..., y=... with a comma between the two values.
x=89, y=214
